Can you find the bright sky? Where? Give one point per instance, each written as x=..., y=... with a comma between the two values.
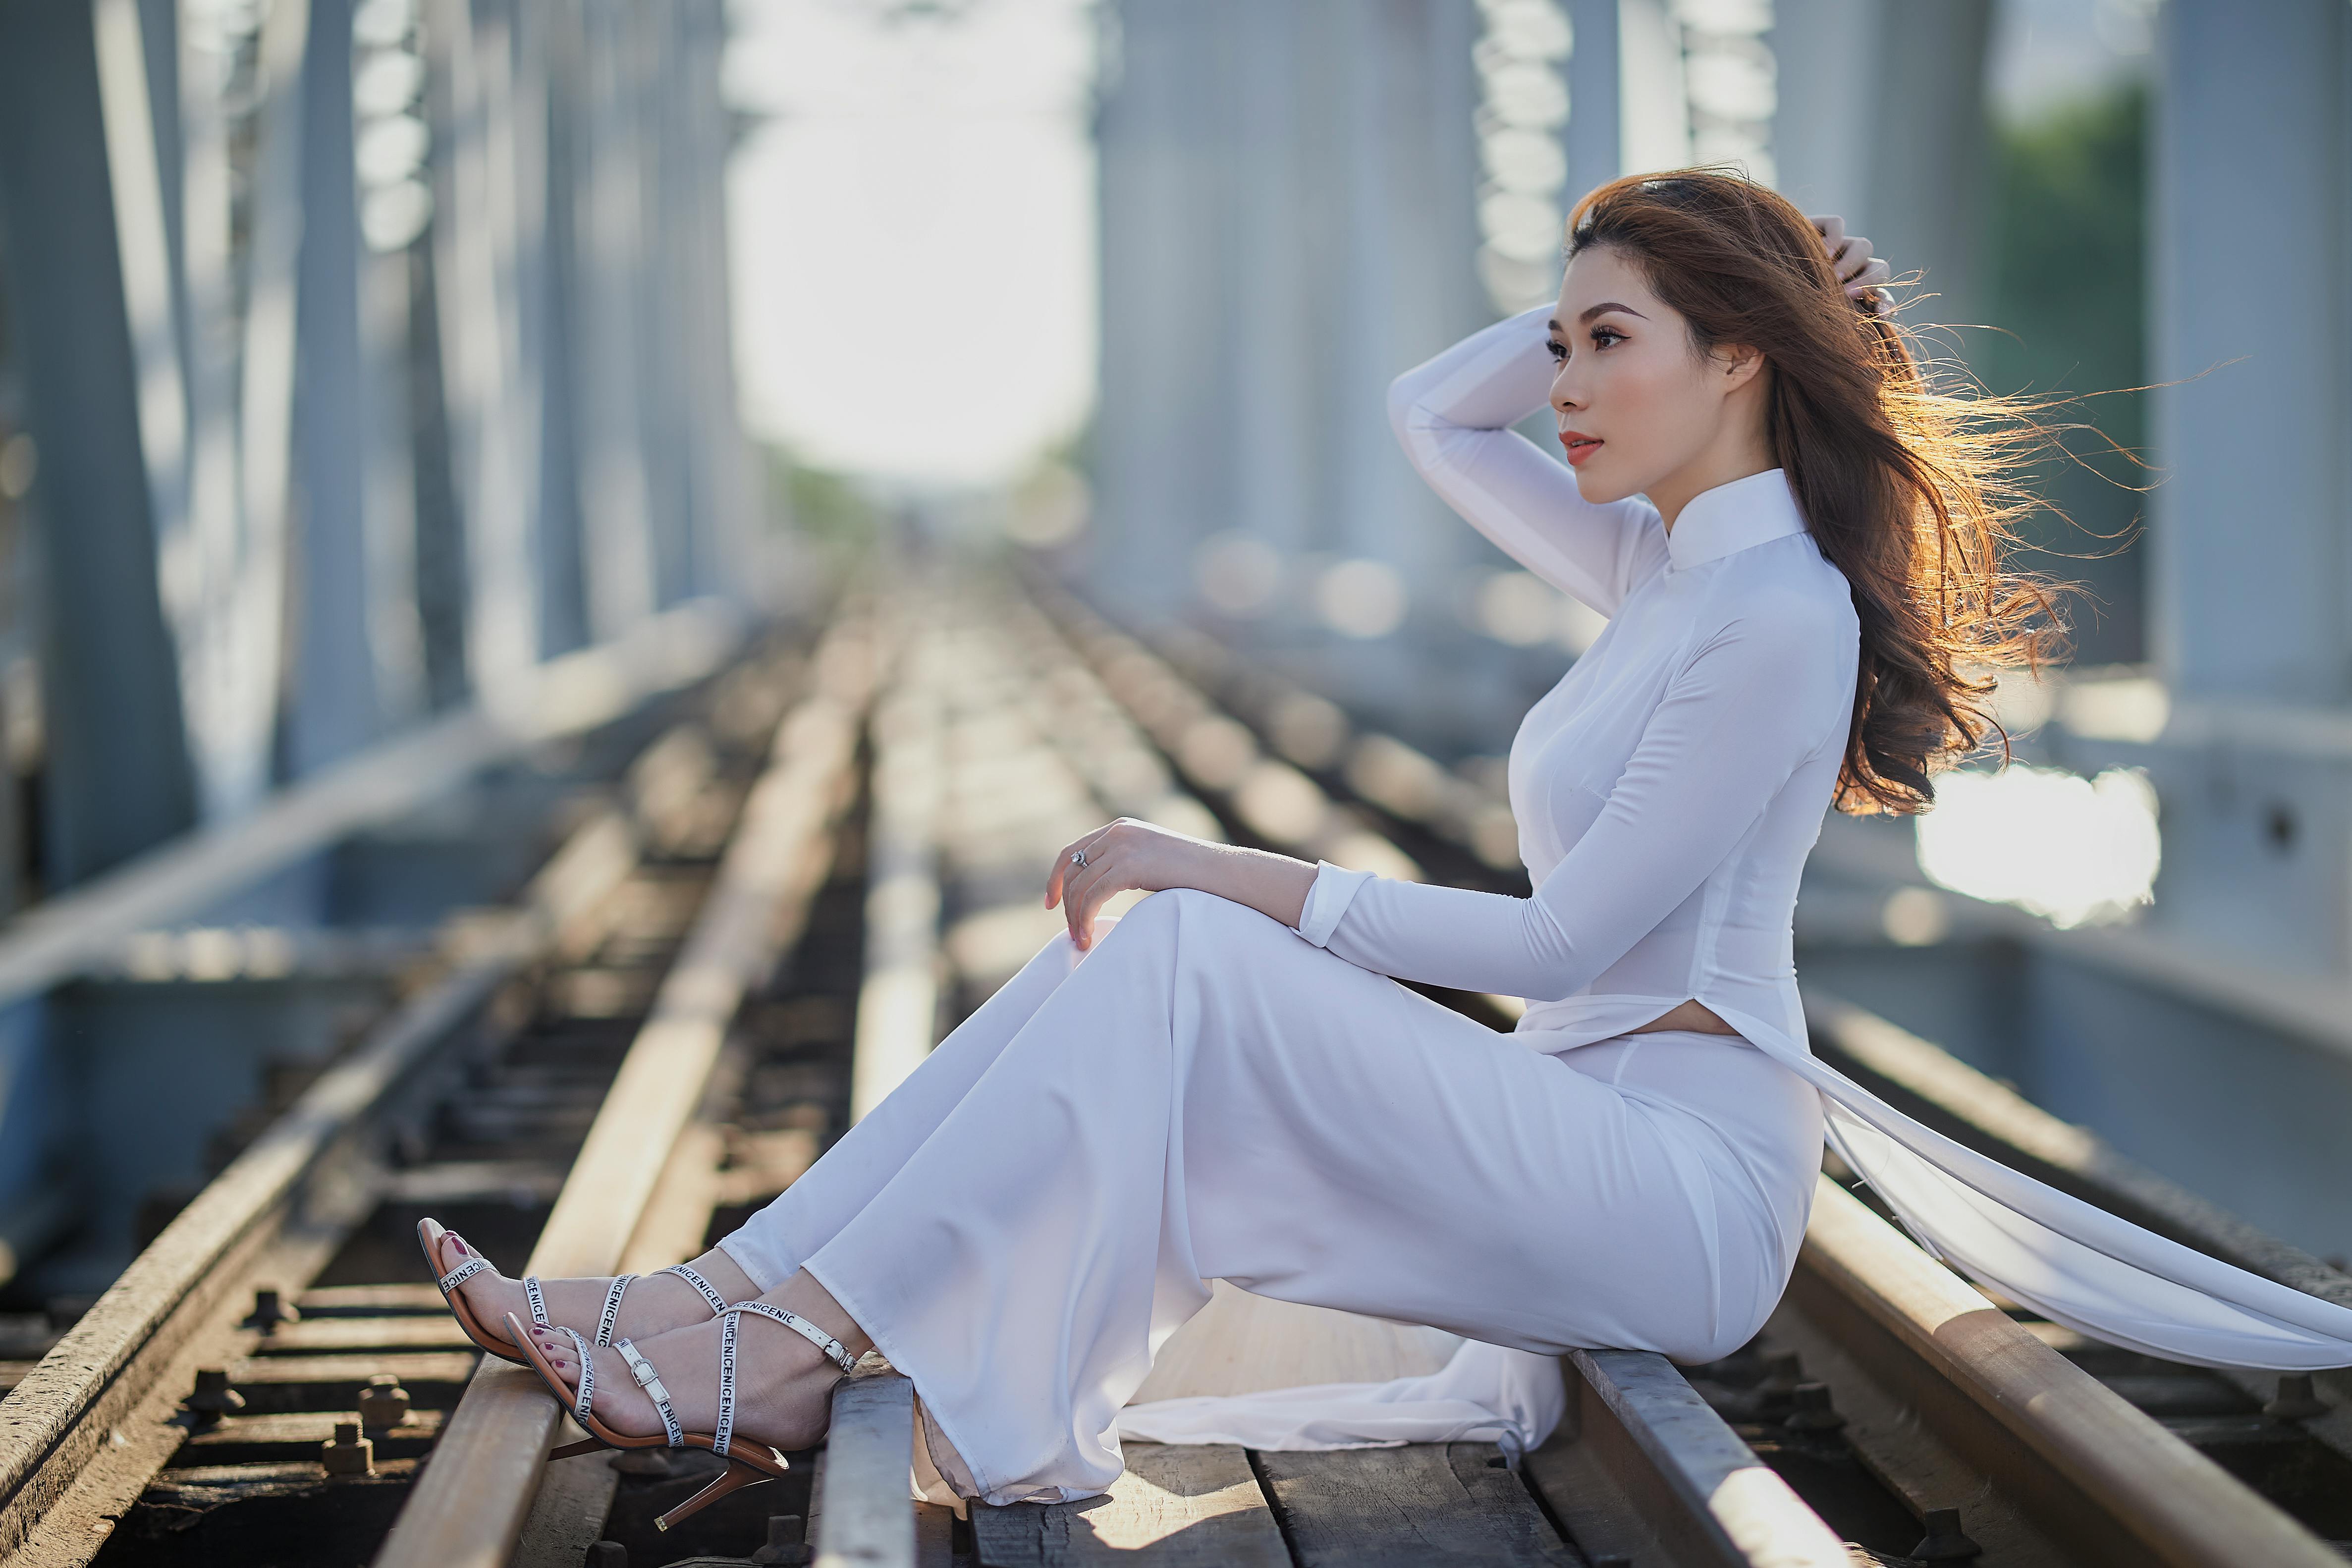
x=913, y=234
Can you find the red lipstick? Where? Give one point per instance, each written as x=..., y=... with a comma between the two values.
x=1580, y=446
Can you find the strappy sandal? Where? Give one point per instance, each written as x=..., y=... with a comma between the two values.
x=743, y=1469
x=429, y=1233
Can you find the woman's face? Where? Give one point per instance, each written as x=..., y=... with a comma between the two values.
x=1635, y=403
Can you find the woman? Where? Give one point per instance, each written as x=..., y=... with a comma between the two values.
x=1797, y=546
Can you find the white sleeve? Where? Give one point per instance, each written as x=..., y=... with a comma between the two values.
x=1454, y=414
x=1755, y=702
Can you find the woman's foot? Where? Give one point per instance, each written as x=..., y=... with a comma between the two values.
x=652, y=1305
x=784, y=1386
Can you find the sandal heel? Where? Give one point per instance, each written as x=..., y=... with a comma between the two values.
x=757, y=1463
x=584, y=1446
x=736, y=1477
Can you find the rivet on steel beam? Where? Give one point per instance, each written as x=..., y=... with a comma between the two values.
x=785, y=1544
x=384, y=1402
x=270, y=1308
x=1814, y=1411
x=1783, y=1370
x=211, y=1397
x=347, y=1453
x=2298, y=1399
x=1946, y=1542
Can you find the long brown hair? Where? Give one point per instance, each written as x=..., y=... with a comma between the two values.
x=1909, y=491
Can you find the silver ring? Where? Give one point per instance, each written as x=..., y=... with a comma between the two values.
x=1077, y=857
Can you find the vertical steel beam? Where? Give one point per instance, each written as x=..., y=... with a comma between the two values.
x=1931, y=141
x=1595, y=127
x=336, y=705
x=1653, y=102
x=608, y=233
x=245, y=605
x=389, y=515
x=722, y=460
x=1161, y=445
x=491, y=415
x=199, y=558
x=665, y=401
x=1273, y=395
x=118, y=778
x=443, y=587
x=536, y=411
x=550, y=38
x=2253, y=574
x=1419, y=246
x=1882, y=120
x=162, y=43
x=1825, y=53
x=1287, y=199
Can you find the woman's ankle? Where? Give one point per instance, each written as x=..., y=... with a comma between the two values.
x=726, y=1275
x=802, y=1295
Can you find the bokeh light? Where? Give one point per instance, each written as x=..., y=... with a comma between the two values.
x=2072, y=849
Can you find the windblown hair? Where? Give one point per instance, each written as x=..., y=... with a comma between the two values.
x=1910, y=491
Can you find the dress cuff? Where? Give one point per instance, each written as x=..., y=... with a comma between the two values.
x=1327, y=897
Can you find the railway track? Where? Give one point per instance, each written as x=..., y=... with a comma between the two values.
x=791, y=891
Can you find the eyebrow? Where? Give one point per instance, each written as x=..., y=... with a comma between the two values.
x=1590, y=311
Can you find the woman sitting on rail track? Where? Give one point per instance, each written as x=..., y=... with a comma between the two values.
x=1798, y=546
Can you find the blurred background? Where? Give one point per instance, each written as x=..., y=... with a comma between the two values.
x=361, y=361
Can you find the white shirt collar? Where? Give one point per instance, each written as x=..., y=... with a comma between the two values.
x=1735, y=516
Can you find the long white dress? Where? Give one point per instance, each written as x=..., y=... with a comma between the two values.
x=1210, y=1094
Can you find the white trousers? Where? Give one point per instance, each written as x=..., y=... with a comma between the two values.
x=1207, y=1096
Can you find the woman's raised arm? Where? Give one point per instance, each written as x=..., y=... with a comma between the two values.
x=1454, y=414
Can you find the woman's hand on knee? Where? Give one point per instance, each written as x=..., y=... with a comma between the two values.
x=1127, y=854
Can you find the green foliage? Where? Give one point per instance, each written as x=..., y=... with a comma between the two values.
x=824, y=508
x=2069, y=280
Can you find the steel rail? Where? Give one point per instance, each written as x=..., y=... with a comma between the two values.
x=70, y=1406
x=861, y=1512
x=1986, y=1114
x=898, y=1001
x=468, y=1506
x=2089, y=1468
x=1644, y=1470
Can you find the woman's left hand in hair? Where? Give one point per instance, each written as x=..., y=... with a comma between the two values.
x=1859, y=272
